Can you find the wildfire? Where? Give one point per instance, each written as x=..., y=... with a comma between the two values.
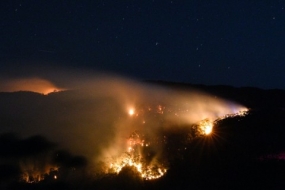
x=135, y=155
x=147, y=172
x=141, y=151
x=134, y=158
x=34, y=175
x=205, y=127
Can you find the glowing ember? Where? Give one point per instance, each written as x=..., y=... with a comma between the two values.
x=131, y=112
x=34, y=175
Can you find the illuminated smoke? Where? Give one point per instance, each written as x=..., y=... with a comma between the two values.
x=28, y=84
x=98, y=117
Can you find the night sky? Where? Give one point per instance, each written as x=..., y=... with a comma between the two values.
x=237, y=42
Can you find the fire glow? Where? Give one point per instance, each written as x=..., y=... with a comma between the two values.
x=133, y=158
x=206, y=127
x=131, y=111
x=118, y=108
x=35, y=175
x=137, y=146
x=29, y=84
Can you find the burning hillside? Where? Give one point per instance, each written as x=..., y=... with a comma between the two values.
x=152, y=163
x=109, y=124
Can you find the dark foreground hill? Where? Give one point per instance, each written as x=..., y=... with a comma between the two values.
x=243, y=152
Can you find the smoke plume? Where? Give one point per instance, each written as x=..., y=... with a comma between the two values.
x=95, y=116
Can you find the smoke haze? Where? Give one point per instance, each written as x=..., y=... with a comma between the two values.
x=91, y=117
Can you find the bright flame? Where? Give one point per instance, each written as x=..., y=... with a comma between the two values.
x=133, y=158
x=206, y=127
x=147, y=172
x=35, y=175
x=131, y=111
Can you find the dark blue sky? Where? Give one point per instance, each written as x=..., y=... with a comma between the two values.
x=238, y=42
